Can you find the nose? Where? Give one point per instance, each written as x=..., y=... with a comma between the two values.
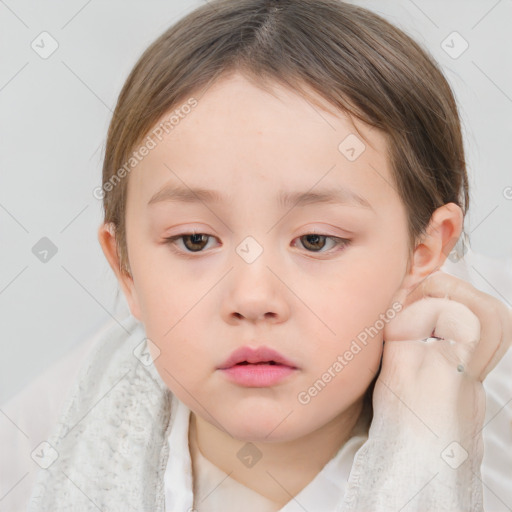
x=256, y=293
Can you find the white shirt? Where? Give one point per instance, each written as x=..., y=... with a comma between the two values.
x=219, y=492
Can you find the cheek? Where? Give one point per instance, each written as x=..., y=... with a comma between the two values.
x=178, y=320
x=182, y=362
x=351, y=299
x=354, y=310
x=346, y=363
x=170, y=313
x=337, y=386
x=166, y=296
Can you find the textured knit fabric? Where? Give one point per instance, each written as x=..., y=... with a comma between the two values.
x=110, y=450
x=111, y=440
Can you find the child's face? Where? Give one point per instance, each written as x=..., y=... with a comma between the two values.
x=306, y=298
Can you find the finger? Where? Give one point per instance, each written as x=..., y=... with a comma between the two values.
x=456, y=324
x=495, y=318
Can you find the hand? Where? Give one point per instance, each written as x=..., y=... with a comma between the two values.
x=483, y=351
x=439, y=380
x=425, y=445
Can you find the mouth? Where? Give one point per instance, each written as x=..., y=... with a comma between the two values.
x=246, y=355
x=258, y=375
x=260, y=367
x=261, y=362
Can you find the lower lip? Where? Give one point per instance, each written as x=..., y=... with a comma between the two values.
x=258, y=375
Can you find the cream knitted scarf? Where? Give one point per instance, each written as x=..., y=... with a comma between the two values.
x=110, y=441
x=110, y=447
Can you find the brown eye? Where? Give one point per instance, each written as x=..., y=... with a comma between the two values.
x=314, y=242
x=197, y=241
x=193, y=242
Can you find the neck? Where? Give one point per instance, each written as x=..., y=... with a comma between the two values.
x=284, y=468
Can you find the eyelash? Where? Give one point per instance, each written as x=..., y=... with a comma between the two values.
x=171, y=241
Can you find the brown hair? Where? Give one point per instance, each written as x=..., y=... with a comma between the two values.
x=356, y=60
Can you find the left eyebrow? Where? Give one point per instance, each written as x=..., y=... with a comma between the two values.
x=340, y=196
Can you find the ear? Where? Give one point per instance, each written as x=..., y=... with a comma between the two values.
x=107, y=239
x=435, y=245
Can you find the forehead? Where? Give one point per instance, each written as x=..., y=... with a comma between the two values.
x=239, y=133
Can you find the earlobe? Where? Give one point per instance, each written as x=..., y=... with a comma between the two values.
x=107, y=240
x=435, y=245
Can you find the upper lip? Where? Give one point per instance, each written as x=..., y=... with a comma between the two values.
x=255, y=355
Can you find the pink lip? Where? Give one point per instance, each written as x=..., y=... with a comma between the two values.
x=257, y=355
x=258, y=367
